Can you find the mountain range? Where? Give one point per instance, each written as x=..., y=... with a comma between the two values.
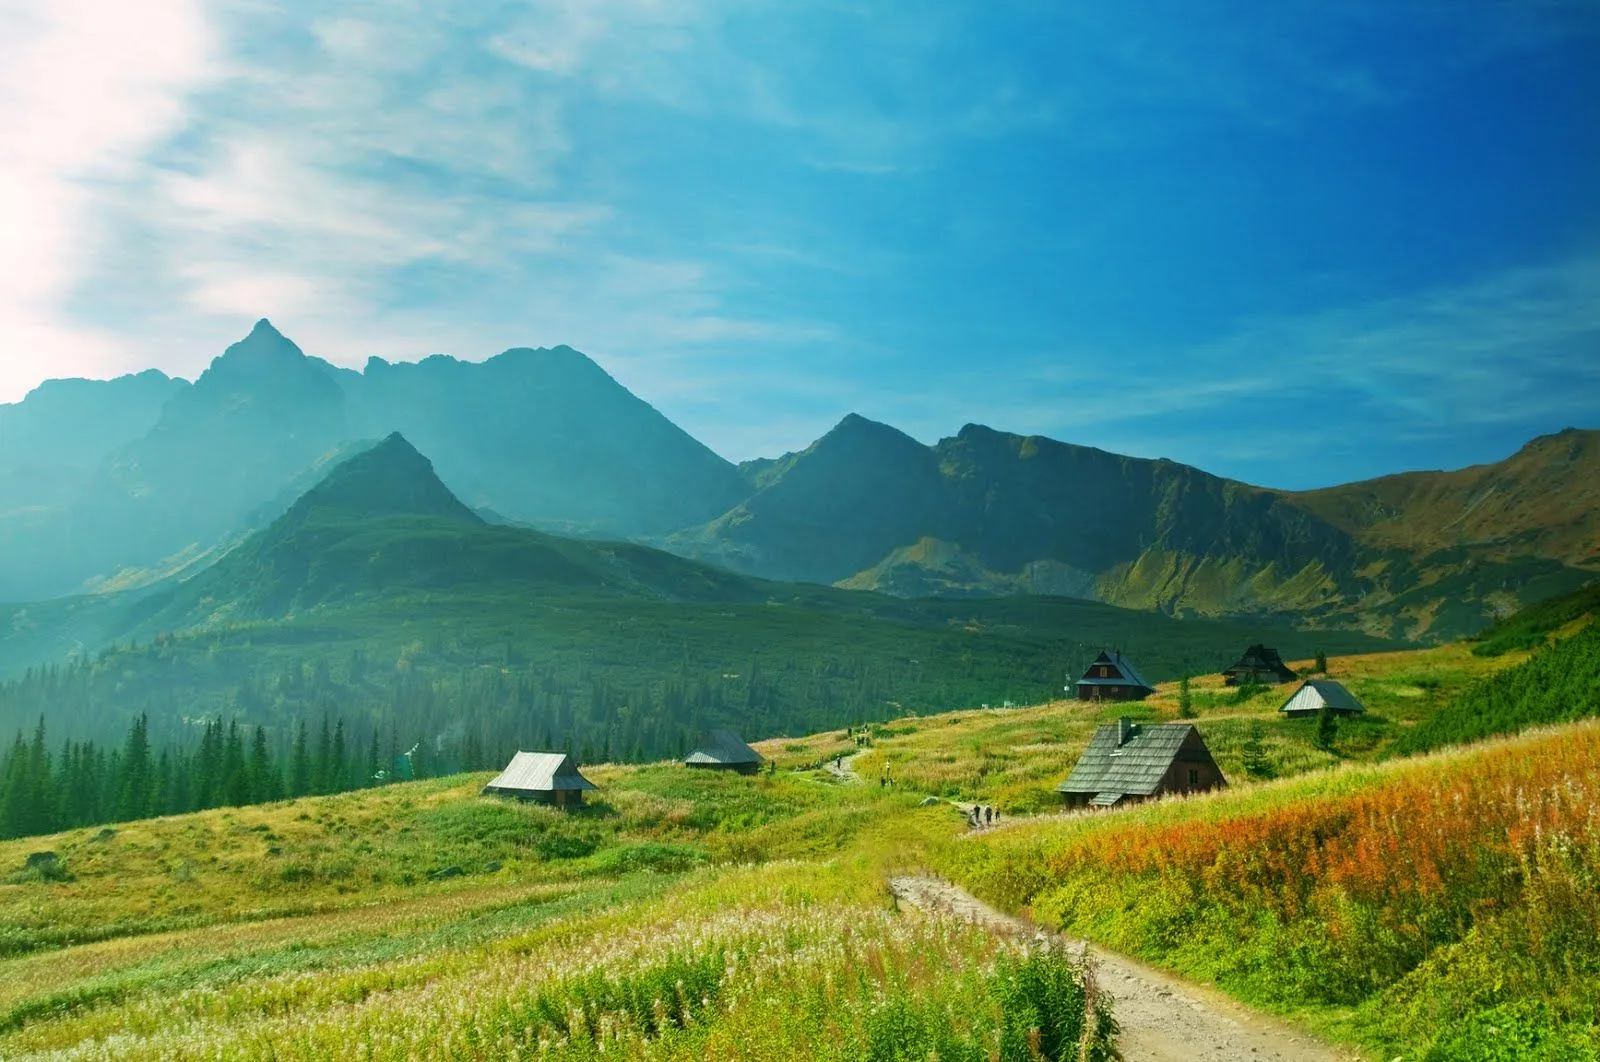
x=117, y=485
x=379, y=597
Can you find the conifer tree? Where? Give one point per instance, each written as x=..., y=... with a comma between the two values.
x=322, y=766
x=266, y=784
x=1255, y=753
x=338, y=763
x=1327, y=729
x=1185, y=699
x=136, y=784
x=12, y=786
x=300, y=767
x=236, y=769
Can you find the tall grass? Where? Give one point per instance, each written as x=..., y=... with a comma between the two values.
x=1364, y=892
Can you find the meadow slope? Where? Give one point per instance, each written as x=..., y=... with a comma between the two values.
x=667, y=919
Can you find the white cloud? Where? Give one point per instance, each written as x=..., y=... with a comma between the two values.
x=85, y=88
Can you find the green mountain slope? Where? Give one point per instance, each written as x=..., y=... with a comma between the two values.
x=1543, y=501
x=380, y=598
x=987, y=513
x=542, y=437
x=546, y=437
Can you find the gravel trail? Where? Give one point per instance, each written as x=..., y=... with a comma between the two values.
x=1163, y=1018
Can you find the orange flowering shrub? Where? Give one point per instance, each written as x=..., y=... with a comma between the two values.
x=1332, y=889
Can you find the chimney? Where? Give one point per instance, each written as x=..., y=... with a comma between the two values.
x=1126, y=729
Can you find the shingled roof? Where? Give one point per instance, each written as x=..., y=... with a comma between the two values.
x=1130, y=674
x=1126, y=759
x=539, y=772
x=723, y=748
x=1259, y=659
x=1315, y=693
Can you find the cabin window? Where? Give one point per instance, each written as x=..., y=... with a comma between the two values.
x=1194, y=776
x=1105, y=672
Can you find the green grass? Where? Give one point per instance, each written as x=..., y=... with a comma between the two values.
x=1531, y=627
x=1410, y=907
x=652, y=924
x=357, y=925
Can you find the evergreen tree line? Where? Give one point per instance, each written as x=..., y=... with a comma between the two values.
x=464, y=717
x=1560, y=683
x=85, y=784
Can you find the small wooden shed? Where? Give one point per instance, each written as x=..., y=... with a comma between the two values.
x=1260, y=664
x=1316, y=694
x=1128, y=762
x=723, y=750
x=544, y=777
x=1112, y=677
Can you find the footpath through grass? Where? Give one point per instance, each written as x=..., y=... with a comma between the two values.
x=1440, y=908
x=687, y=916
x=692, y=915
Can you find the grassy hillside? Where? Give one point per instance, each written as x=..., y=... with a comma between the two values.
x=379, y=598
x=685, y=915
x=1423, y=555
x=1540, y=502
x=1440, y=908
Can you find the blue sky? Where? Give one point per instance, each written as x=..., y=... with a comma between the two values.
x=1295, y=243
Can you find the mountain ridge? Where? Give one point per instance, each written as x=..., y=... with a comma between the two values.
x=545, y=438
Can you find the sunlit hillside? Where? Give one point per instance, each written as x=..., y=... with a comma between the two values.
x=693, y=915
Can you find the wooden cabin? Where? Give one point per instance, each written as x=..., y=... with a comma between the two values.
x=1112, y=677
x=1128, y=762
x=1316, y=694
x=723, y=750
x=544, y=777
x=1260, y=664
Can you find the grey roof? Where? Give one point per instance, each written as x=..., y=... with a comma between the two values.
x=539, y=772
x=1130, y=674
x=1136, y=768
x=723, y=746
x=1261, y=658
x=1313, y=694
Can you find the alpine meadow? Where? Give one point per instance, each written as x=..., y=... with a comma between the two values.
x=994, y=532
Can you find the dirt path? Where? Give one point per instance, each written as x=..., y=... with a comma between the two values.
x=1163, y=1018
x=845, y=770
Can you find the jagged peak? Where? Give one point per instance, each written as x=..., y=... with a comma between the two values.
x=391, y=478
x=264, y=348
x=854, y=424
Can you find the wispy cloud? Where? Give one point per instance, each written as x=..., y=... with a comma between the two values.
x=79, y=108
x=760, y=216
x=1515, y=349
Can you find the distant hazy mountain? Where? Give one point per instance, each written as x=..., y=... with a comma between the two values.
x=987, y=512
x=77, y=423
x=546, y=437
x=157, y=478
x=1543, y=501
x=52, y=441
x=382, y=525
x=380, y=598
x=542, y=437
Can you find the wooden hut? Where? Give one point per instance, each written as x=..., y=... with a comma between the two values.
x=1317, y=694
x=723, y=750
x=1112, y=677
x=1128, y=762
x=545, y=777
x=1260, y=664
